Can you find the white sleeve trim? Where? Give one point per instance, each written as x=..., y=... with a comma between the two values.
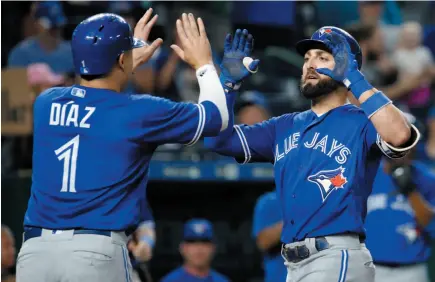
x=393, y=152
x=201, y=125
x=210, y=89
x=244, y=143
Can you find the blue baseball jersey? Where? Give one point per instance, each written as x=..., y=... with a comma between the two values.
x=324, y=166
x=266, y=214
x=181, y=275
x=393, y=235
x=92, y=150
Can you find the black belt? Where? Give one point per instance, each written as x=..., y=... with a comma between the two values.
x=299, y=253
x=34, y=232
x=395, y=264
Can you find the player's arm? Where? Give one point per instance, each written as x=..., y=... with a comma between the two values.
x=267, y=224
x=144, y=237
x=390, y=123
x=416, y=183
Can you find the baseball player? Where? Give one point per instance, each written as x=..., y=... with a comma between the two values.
x=93, y=145
x=267, y=228
x=325, y=159
x=197, y=250
x=400, y=220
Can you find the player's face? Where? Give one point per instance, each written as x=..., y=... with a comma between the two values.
x=314, y=84
x=198, y=254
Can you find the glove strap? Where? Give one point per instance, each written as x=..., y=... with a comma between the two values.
x=374, y=103
x=228, y=84
x=357, y=84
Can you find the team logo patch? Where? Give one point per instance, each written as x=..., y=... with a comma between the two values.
x=409, y=231
x=329, y=180
x=199, y=228
x=325, y=30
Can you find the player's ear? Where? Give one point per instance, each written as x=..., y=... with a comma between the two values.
x=181, y=248
x=121, y=61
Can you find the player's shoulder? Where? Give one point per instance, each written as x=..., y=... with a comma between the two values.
x=423, y=170
x=52, y=93
x=267, y=198
x=218, y=277
x=25, y=45
x=173, y=276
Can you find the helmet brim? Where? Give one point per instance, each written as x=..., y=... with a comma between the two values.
x=305, y=45
x=137, y=43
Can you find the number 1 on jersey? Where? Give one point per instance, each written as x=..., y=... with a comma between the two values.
x=68, y=153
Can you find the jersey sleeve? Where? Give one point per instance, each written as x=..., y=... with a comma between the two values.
x=162, y=121
x=374, y=141
x=266, y=213
x=253, y=143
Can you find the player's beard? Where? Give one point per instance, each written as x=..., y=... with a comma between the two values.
x=323, y=87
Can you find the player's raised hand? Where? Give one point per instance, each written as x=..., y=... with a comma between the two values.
x=237, y=64
x=195, y=47
x=142, y=31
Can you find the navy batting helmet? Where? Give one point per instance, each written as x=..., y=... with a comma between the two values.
x=98, y=41
x=317, y=41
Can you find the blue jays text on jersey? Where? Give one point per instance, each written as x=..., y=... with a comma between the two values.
x=393, y=235
x=324, y=166
x=92, y=149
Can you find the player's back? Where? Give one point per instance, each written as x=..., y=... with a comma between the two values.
x=90, y=166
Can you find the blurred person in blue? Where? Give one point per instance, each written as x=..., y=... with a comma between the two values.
x=197, y=249
x=400, y=219
x=252, y=108
x=48, y=45
x=266, y=229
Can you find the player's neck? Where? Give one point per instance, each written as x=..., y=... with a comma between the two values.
x=324, y=104
x=101, y=84
x=195, y=271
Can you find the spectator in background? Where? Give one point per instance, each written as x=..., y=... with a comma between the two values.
x=40, y=77
x=197, y=250
x=266, y=229
x=411, y=58
x=252, y=108
x=47, y=46
x=7, y=253
x=371, y=13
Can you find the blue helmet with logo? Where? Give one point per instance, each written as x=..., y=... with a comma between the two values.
x=317, y=41
x=98, y=41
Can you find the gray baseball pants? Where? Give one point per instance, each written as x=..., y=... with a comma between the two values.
x=66, y=257
x=346, y=259
x=417, y=273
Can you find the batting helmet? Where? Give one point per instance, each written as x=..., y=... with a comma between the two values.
x=98, y=41
x=317, y=41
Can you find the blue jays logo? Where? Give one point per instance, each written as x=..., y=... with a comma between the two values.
x=325, y=30
x=199, y=228
x=409, y=231
x=328, y=180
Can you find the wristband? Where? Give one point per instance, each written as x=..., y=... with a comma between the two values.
x=228, y=84
x=147, y=239
x=357, y=84
x=374, y=103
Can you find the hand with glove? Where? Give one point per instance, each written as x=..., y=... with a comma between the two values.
x=237, y=64
x=402, y=177
x=346, y=66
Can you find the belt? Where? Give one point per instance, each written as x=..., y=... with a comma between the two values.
x=299, y=253
x=395, y=264
x=34, y=232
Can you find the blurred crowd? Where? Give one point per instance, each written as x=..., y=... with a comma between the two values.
x=397, y=40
